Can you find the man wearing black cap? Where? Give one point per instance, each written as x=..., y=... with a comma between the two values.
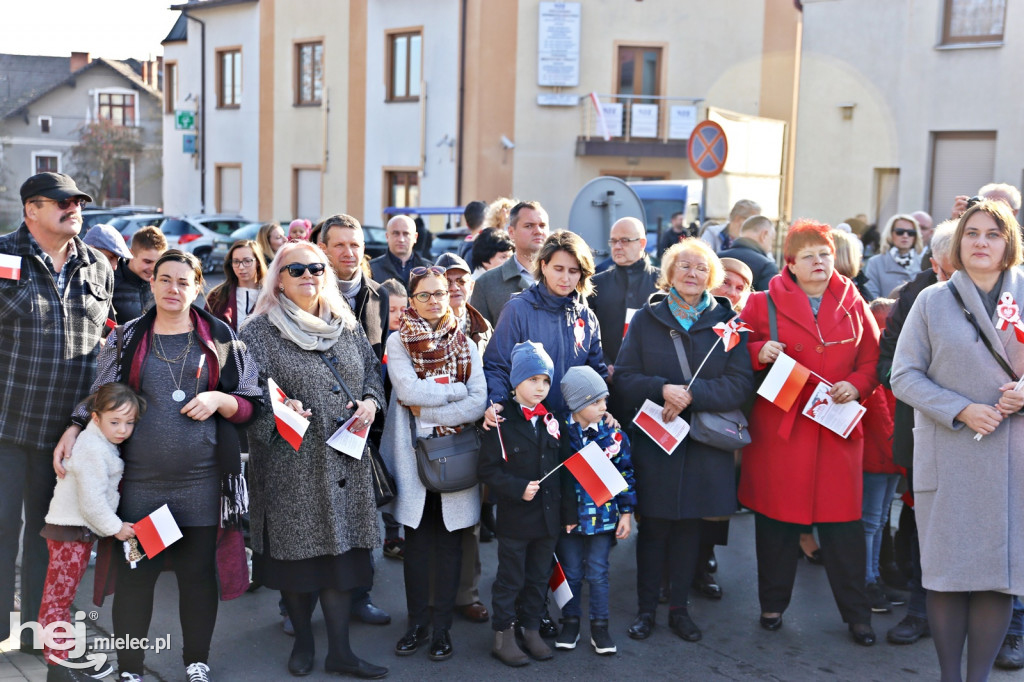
x=54, y=301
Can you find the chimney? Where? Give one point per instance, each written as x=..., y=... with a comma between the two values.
x=78, y=60
x=157, y=72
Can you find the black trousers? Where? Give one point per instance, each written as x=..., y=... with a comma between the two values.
x=432, y=550
x=524, y=567
x=678, y=541
x=194, y=561
x=843, y=553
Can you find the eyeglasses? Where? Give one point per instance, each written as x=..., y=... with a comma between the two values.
x=423, y=270
x=425, y=296
x=615, y=242
x=853, y=332
x=64, y=204
x=686, y=267
x=904, y=232
x=246, y=262
x=299, y=269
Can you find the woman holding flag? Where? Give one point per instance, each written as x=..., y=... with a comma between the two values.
x=313, y=517
x=797, y=473
x=674, y=491
x=957, y=362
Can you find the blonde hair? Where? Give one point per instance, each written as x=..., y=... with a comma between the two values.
x=263, y=237
x=330, y=295
x=848, y=255
x=497, y=212
x=886, y=236
x=716, y=273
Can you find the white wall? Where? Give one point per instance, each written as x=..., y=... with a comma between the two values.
x=181, y=170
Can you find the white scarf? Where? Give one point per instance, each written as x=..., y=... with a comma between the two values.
x=309, y=332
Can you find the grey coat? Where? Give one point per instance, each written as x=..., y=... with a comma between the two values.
x=969, y=495
x=495, y=287
x=885, y=274
x=451, y=404
x=317, y=501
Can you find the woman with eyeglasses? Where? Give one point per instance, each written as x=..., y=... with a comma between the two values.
x=796, y=473
x=235, y=298
x=899, y=259
x=956, y=363
x=313, y=518
x=438, y=388
x=200, y=385
x=674, y=492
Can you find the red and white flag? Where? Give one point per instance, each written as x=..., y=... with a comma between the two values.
x=784, y=382
x=630, y=312
x=602, y=124
x=290, y=424
x=10, y=266
x=559, y=585
x=730, y=332
x=596, y=473
x=157, y=532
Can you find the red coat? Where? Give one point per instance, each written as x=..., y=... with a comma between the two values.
x=878, y=427
x=795, y=470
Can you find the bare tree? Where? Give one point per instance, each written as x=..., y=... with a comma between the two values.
x=102, y=148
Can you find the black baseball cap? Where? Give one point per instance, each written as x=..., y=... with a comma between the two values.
x=52, y=186
x=450, y=261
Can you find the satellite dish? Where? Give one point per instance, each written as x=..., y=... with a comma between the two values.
x=597, y=206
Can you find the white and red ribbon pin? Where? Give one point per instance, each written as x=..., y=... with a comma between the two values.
x=730, y=332
x=578, y=332
x=1009, y=315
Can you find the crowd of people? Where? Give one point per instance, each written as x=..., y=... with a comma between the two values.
x=131, y=388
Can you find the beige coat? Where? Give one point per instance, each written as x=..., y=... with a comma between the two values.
x=969, y=495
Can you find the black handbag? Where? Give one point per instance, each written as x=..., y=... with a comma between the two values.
x=447, y=464
x=723, y=430
x=384, y=488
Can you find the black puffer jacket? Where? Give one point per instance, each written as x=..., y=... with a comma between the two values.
x=132, y=295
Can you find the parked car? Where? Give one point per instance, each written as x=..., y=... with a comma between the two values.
x=376, y=240
x=221, y=244
x=94, y=215
x=448, y=241
x=129, y=225
x=196, y=234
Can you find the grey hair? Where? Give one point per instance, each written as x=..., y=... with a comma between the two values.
x=942, y=239
x=1001, y=190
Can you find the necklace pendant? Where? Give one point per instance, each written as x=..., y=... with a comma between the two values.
x=178, y=396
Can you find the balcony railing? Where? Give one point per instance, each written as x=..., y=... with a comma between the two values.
x=636, y=125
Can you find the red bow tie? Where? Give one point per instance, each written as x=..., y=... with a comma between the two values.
x=538, y=411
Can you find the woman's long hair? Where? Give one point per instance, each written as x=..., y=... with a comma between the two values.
x=330, y=295
x=219, y=294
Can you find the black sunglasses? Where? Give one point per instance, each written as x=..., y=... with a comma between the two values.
x=299, y=269
x=65, y=204
x=904, y=232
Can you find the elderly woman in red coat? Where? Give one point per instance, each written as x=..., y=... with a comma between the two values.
x=797, y=473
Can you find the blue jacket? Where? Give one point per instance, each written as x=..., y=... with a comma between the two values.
x=591, y=518
x=539, y=316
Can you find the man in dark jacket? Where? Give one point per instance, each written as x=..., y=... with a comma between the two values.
x=757, y=235
x=132, y=293
x=400, y=258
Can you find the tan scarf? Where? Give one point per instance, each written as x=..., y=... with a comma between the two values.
x=436, y=352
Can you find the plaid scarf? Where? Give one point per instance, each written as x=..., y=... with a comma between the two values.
x=436, y=352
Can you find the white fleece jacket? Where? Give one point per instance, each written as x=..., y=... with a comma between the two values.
x=87, y=495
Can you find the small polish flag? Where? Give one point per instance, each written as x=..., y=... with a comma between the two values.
x=559, y=585
x=10, y=266
x=157, y=531
x=596, y=473
x=630, y=312
x=290, y=424
x=784, y=382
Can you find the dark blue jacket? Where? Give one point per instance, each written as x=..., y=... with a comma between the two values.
x=537, y=315
x=590, y=518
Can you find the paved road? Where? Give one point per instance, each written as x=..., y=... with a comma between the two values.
x=813, y=644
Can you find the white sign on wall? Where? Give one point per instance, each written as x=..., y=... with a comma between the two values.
x=681, y=121
x=558, y=44
x=643, y=120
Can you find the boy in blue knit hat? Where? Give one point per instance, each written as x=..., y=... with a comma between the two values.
x=584, y=548
x=529, y=443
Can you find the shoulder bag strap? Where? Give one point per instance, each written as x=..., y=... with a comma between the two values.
x=677, y=341
x=337, y=375
x=974, y=323
x=773, y=323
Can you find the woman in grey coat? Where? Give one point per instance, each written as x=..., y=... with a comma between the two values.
x=899, y=259
x=313, y=517
x=438, y=386
x=969, y=493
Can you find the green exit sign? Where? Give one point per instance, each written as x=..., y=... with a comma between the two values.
x=184, y=120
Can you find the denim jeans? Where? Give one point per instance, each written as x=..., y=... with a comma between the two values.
x=586, y=556
x=878, y=492
x=1017, y=620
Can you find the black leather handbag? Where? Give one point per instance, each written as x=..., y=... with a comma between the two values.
x=447, y=464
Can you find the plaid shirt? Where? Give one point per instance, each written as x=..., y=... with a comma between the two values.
x=49, y=338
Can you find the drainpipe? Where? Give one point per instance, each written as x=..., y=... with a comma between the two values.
x=202, y=109
x=462, y=104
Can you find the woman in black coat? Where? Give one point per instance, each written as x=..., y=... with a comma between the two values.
x=675, y=491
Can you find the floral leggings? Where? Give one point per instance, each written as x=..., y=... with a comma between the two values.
x=68, y=561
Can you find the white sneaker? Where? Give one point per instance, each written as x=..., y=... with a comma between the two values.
x=129, y=677
x=198, y=672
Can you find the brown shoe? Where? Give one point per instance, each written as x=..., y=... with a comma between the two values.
x=475, y=612
x=536, y=646
x=506, y=650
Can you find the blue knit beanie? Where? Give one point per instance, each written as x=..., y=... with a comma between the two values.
x=529, y=359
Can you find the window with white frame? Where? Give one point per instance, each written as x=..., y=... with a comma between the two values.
x=45, y=123
x=973, y=21
x=117, y=106
x=45, y=162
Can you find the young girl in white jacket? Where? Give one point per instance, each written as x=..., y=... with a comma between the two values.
x=83, y=508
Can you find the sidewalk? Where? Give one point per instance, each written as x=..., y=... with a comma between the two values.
x=15, y=665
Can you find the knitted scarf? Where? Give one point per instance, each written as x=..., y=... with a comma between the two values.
x=905, y=260
x=443, y=351
x=685, y=313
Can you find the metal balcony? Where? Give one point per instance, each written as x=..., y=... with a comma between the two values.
x=637, y=125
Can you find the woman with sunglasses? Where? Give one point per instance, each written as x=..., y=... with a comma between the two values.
x=953, y=364
x=438, y=387
x=797, y=473
x=235, y=298
x=900, y=257
x=313, y=518
x=200, y=386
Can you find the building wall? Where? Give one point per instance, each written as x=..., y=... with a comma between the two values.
x=181, y=170
x=904, y=88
